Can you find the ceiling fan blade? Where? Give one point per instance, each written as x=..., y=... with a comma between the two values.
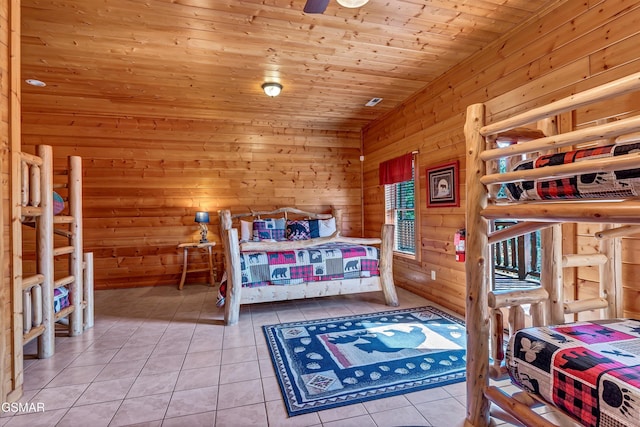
x=316, y=6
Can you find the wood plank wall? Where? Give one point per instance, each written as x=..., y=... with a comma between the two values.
x=5, y=220
x=144, y=179
x=9, y=140
x=577, y=46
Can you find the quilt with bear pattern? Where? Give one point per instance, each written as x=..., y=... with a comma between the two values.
x=319, y=263
x=589, y=369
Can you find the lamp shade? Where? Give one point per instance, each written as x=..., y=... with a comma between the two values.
x=202, y=217
x=272, y=89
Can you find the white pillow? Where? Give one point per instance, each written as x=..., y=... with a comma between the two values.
x=246, y=230
x=326, y=227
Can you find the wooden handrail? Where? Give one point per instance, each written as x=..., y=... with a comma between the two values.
x=615, y=88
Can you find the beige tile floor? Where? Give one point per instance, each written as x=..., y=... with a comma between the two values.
x=162, y=357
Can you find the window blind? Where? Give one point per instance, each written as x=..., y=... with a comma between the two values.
x=400, y=205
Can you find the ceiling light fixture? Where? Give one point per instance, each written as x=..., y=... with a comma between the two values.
x=35, y=82
x=352, y=3
x=272, y=89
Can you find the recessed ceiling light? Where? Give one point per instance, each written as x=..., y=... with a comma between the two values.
x=35, y=82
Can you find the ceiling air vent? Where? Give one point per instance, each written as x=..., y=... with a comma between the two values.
x=372, y=102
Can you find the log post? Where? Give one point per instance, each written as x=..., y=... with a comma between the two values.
x=234, y=277
x=611, y=274
x=44, y=233
x=87, y=282
x=386, y=266
x=337, y=214
x=477, y=271
x=516, y=319
x=538, y=313
x=75, y=267
x=36, y=303
x=497, y=342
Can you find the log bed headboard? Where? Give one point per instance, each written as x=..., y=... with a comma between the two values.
x=227, y=218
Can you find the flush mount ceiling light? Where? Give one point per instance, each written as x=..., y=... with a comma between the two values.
x=272, y=89
x=34, y=82
x=352, y=3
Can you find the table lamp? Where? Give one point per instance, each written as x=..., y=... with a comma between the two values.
x=202, y=218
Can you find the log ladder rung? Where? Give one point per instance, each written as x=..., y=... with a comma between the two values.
x=63, y=281
x=63, y=250
x=33, y=332
x=576, y=260
x=62, y=219
x=28, y=282
x=585, y=305
x=64, y=312
x=30, y=211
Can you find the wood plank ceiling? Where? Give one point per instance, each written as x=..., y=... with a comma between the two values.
x=207, y=59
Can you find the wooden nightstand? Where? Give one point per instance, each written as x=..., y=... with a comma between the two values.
x=185, y=269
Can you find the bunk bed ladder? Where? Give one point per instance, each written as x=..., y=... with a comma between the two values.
x=32, y=293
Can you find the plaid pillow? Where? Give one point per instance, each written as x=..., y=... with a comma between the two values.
x=269, y=229
x=302, y=229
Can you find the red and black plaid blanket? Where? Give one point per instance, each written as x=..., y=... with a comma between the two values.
x=591, y=370
x=597, y=185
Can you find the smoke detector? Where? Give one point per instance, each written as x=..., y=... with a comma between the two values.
x=372, y=102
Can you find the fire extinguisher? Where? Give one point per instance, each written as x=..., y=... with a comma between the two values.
x=459, y=244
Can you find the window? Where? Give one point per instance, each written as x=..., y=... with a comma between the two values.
x=400, y=211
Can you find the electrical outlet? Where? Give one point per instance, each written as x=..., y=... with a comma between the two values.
x=433, y=275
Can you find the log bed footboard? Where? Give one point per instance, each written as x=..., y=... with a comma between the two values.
x=237, y=295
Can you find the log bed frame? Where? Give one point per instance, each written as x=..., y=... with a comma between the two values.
x=237, y=295
x=34, y=316
x=484, y=309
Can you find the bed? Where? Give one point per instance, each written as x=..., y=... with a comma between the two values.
x=590, y=370
x=289, y=254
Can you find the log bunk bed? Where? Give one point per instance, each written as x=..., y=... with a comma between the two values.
x=47, y=226
x=588, y=369
x=366, y=268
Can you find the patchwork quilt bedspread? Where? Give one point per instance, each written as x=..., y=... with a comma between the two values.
x=590, y=370
x=319, y=263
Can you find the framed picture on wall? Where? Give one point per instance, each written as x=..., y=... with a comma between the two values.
x=443, y=186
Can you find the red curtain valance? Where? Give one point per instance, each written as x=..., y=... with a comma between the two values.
x=396, y=170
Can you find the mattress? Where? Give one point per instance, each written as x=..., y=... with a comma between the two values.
x=319, y=263
x=591, y=370
x=598, y=185
x=332, y=261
